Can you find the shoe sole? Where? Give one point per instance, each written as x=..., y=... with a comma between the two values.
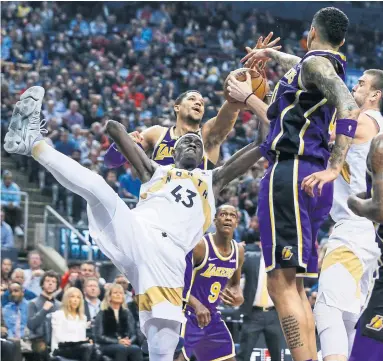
x=29, y=102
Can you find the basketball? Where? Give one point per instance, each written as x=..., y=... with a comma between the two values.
x=258, y=83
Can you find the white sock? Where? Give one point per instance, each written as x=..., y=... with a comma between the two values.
x=163, y=336
x=80, y=180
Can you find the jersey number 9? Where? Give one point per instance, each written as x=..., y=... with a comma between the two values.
x=215, y=289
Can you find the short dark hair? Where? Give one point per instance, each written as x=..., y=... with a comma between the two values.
x=89, y=262
x=52, y=274
x=73, y=264
x=377, y=83
x=332, y=25
x=182, y=96
x=219, y=209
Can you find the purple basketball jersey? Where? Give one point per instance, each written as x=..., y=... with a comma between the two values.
x=207, y=280
x=301, y=119
x=162, y=153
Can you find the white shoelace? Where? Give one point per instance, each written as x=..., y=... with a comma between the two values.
x=37, y=124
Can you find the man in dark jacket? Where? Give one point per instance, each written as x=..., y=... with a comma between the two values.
x=38, y=309
x=260, y=315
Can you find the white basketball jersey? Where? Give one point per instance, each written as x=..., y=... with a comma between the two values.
x=352, y=179
x=179, y=202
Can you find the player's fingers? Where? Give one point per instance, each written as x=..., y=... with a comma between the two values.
x=274, y=42
x=248, y=49
x=248, y=77
x=208, y=318
x=267, y=38
x=277, y=47
x=229, y=89
x=259, y=42
x=306, y=180
x=246, y=57
x=320, y=187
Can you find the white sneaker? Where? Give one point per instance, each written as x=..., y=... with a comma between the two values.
x=25, y=125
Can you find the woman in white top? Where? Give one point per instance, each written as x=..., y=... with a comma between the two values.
x=69, y=328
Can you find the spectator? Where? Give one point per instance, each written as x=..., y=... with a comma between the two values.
x=129, y=184
x=34, y=27
x=17, y=277
x=114, y=327
x=69, y=328
x=39, y=308
x=91, y=293
x=71, y=275
x=87, y=270
x=79, y=25
x=10, y=201
x=8, y=348
x=51, y=113
x=65, y=145
x=72, y=116
x=34, y=273
x=6, y=233
x=111, y=179
x=98, y=26
x=15, y=312
x=123, y=281
x=6, y=269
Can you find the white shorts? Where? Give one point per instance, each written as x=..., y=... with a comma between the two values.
x=152, y=262
x=348, y=266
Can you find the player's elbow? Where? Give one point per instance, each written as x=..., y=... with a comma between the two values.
x=113, y=128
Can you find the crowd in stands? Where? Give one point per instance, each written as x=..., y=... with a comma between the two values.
x=129, y=64
x=72, y=315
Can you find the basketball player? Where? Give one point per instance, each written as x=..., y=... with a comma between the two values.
x=215, y=274
x=148, y=244
x=368, y=344
x=352, y=252
x=306, y=101
x=189, y=110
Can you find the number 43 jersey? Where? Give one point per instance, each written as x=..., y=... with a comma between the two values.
x=178, y=202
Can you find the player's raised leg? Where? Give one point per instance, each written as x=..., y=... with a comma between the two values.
x=24, y=137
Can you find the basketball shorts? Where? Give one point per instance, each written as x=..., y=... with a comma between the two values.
x=213, y=342
x=289, y=217
x=149, y=258
x=348, y=266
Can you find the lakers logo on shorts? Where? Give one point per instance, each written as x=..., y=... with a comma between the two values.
x=286, y=253
x=376, y=323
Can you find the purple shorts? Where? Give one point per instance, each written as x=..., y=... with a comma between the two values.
x=211, y=343
x=366, y=348
x=289, y=219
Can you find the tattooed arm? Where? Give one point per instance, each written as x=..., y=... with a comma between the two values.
x=318, y=72
x=372, y=208
x=287, y=61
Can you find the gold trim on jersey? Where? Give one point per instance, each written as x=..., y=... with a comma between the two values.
x=349, y=260
x=216, y=250
x=298, y=213
x=289, y=107
x=183, y=331
x=345, y=172
x=155, y=295
x=171, y=133
x=301, y=148
x=332, y=122
x=200, y=185
x=307, y=275
x=159, y=141
x=197, y=268
x=272, y=217
x=342, y=56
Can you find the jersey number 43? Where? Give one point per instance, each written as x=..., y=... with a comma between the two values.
x=176, y=192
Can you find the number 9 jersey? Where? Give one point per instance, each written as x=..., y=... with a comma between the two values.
x=178, y=202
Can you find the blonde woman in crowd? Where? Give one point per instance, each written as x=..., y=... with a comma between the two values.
x=114, y=327
x=69, y=329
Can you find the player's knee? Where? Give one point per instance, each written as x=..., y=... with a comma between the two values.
x=280, y=282
x=327, y=317
x=163, y=341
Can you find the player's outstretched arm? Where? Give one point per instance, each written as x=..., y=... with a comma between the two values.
x=372, y=208
x=131, y=151
x=232, y=295
x=216, y=129
x=286, y=61
x=318, y=72
x=237, y=165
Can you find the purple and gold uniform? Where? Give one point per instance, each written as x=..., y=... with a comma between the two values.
x=368, y=343
x=205, y=282
x=297, y=146
x=162, y=152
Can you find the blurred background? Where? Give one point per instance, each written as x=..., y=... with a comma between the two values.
x=128, y=61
